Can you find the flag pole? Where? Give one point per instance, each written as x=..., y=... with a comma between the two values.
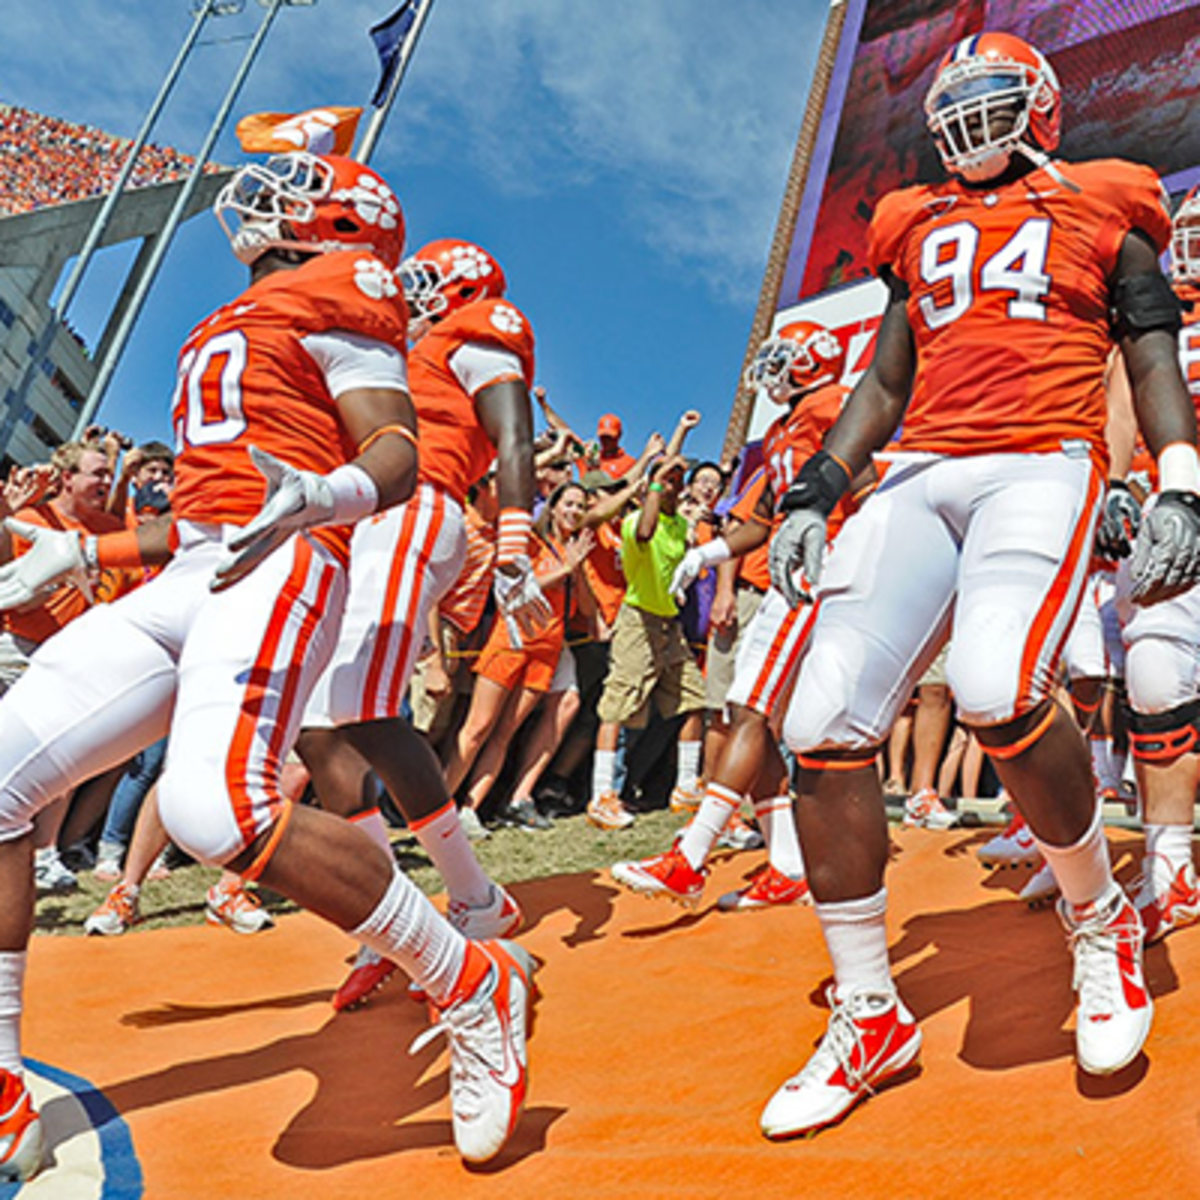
x=379, y=117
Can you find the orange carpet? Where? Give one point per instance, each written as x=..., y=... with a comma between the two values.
x=659, y=1035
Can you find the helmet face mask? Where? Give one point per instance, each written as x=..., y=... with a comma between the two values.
x=993, y=96
x=445, y=276
x=802, y=356
x=1185, y=240
x=304, y=203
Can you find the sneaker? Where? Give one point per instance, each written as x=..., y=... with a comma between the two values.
x=51, y=874
x=1114, y=1005
x=1012, y=848
x=607, y=812
x=160, y=868
x=368, y=974
x=118, y=912
x=523, y=814
x=488, y=1068
x=108, y=862
x=686, y=800
x=770, y=889
x=500, y=917
x=871, y=1038
x=668, y=874
x=1166, y=900
x=925, y=810
x=739, y=834
x=472, y=825
x=236, y=909
x=20, y=1129
x=1040, y=888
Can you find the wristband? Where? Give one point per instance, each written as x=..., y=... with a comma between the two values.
x=353, y=492
x=113, y=551
x=714, y=552
x=1178, y=468
x=655, y=487
x=512, y=535
x=819, y=484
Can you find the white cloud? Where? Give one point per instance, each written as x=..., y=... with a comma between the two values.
x=689, y=107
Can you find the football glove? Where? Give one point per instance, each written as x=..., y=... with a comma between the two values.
x=55, y=557
x=1166, y=553
x=520, y=600
x=1119, y=522
x=799, y=543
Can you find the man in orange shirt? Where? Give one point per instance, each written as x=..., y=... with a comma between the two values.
x=613, y=460
x=1007, y=284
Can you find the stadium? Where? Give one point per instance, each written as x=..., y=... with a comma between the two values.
x=178, y=1059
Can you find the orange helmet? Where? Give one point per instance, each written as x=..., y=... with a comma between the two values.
x=446, y=275
x=1185, y=239
x=983, y=77
x=300, y=201
x=800, y=357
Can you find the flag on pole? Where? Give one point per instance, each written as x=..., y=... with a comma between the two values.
x=389, y=36
x=327, y=130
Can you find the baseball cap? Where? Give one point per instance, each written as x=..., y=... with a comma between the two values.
x=609, y=425
x=596, y=481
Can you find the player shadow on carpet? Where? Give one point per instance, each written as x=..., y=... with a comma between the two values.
x=367, y=1087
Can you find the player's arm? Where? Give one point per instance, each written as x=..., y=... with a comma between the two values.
x=383, y=424
x=1147, y=318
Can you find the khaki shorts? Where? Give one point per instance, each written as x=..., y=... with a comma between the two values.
x=650, y=662
x=936, y=675
x=722, y=650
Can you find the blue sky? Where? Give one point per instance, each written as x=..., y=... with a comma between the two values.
x=624, y=160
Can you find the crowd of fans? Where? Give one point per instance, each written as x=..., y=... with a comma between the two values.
x=45, y=160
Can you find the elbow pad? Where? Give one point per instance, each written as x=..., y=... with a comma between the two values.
x=1141, y=303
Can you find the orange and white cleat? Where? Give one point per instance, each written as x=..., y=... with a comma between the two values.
x=1166, y=899
x=368, y=974
x=769, y=889
x=925, y=810
x=1014, y=847
x=669, y=875
x=487, y=1023
x=20, y=1129
x=1041, y=887
x=233, y=906
x=500, y=917
x=118, y=912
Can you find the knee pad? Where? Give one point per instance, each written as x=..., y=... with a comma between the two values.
x=1165, y=737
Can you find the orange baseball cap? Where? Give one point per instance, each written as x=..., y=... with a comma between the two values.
x=609, y=425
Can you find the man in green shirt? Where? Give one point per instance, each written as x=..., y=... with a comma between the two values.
x=650, y=660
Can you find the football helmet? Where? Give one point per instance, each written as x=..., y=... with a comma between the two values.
x=446, y=275
x=800, y=357
x=993, y=94
x=1185, y=240
x=300, y=201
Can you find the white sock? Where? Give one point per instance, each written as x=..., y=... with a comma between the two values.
x=406, y=928
x=1083, y=871
x=778, y=825
x=1102, y=764
x=12, y=981
x=1169, y=843
x=604, y=767
x=442, y=837
x=687, y=765
x=856, y=935
x=701, y=833
x=375, y=827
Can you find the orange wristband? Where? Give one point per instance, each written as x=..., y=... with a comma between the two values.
x=512, y=534
x=113, y=551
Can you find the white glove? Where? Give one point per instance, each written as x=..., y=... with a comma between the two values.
x=521, y=601
x=54, y=558
x=799, y=543
x=295, y=500
x=686, y=574
x=1166, y=552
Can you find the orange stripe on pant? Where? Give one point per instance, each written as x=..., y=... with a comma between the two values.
x=773, y=678
x=1078, y=552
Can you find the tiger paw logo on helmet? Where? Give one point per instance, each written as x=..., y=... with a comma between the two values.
x=470, y=262
x=373, y=200
x=506, y=319
x=374, y=279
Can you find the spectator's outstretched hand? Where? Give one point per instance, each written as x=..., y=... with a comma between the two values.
x=55, y=557
x=26, y=486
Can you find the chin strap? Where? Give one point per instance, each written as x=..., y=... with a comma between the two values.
x=1043, y=160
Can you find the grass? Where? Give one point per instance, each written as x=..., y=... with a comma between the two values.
x=509, y=856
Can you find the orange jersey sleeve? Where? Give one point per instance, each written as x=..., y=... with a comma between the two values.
x=753, y=568
x=455, y=449
x=1009, y=303
x=604, y=574
x=245, y=379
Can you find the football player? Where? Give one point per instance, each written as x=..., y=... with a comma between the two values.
x=800, y=368
x=470, y=369
x=302, y=379
x=1007, y=284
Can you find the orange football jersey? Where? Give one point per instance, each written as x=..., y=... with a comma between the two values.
x=455, y=449
x=1009, y=302
x=754, y=567
x=796, y=437
x=245, y=379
